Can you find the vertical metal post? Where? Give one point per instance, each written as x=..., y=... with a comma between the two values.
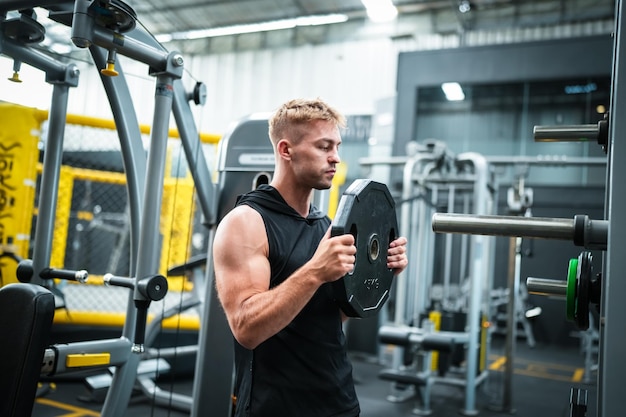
x=478, y=270
x=49, y=186
x=464, y=242
x=410, y=286
x=131, y=145
x=424, y=261
x=121, y=387
x=515, y=260
x=612, y=367
x=205, y=188
x=401, y=282
x=61, y=77
x=448, y=247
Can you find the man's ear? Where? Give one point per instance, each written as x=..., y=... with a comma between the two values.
x=283, y=149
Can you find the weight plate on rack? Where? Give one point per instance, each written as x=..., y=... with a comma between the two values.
x=570, y=295
x=583, y=284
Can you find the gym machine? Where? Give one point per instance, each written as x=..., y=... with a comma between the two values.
x=432, y=178
x=604, y=235
x=579, y=290
x=107, y=28
x=20, y=369
x=419, y=344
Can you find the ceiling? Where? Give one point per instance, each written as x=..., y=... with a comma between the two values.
x=167, y=16
x=171, y=16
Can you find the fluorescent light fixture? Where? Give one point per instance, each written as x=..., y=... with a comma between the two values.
x=313, y=20
x=453, y=91
x=380, y=10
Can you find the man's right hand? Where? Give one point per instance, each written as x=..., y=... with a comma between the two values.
x=334, y=257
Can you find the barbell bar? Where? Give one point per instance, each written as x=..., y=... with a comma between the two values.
x=579, y=290
x=575, y=133
x=583, y=231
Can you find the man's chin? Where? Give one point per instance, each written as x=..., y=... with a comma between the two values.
x=323, y=186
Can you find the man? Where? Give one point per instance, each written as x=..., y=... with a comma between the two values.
x=273, y=258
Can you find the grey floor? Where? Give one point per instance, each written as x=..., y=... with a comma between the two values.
x=542, y=379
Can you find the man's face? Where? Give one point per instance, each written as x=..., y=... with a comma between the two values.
x=315, y=157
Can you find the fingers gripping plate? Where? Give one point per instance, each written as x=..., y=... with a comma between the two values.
x=367, y=211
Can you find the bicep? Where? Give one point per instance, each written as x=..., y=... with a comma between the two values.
x=240, y=258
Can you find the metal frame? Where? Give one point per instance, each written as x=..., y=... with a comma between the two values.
x=144, y=195
x=611, y=367
x=425, y=180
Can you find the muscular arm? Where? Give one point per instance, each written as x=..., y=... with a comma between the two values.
x=242, y=276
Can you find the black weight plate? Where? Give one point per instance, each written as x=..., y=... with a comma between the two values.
x=367, y=211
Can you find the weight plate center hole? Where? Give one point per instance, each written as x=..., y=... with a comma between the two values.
x=374, y=248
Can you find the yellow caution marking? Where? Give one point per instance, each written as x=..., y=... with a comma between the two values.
x=497, y=364
x=76, y=411
x=87, y=359
x=578, y=375
x=544, y=370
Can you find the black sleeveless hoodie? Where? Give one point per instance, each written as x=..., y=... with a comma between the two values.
x=303, y=370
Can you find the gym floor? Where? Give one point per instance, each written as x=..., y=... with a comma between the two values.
x=542, y=379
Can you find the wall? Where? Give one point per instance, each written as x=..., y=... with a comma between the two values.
x=351, y=76
x=244, y=75
x=526, y=61
x=494, y=130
